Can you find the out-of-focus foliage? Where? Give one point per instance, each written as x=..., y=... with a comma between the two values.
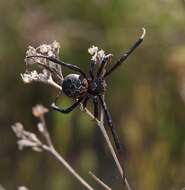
x=146, y=96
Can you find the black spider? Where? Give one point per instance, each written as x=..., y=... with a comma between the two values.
x=82, y=87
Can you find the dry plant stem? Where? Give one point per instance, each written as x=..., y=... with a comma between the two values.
x=127, y=184
x=2, y=188
x=123, y=176
x=50, y=148
x=99, y=181
x=54, y=84
x=102, y=128
x=68, y=167
x=46, y=133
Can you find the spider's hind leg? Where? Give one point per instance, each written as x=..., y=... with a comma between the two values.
x=110, y=123
x=95, y=102
x=66, y=110
x=84, y=102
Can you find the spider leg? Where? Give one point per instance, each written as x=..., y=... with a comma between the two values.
x=84, y=102
x=110, y=123
x=105, y=60
x=91, y=69
x=95, y=102
x=66, y=110
x=55, y=60
x=125, y=55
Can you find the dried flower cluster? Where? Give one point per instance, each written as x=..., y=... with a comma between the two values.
x=49, y=73
x=22, y=188
x=29, y=139
x=39, y=111
x=26, y=138
x=97, y=55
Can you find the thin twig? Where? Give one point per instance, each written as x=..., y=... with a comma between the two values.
x=120, y=168
x=99, y=181
x=64, y=163
x=2, y=188
x=39, y=111
x=50, y=148
x=45, y=132
x=102, y=128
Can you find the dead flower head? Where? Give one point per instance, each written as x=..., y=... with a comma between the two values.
x=98, y=55
x=26, y=138
x=47, y=71
x=39, y=110
x=22, y=188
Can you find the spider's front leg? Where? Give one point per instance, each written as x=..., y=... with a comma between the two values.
x=110, y=123
x=57, y=61
x=125, y=55
x=95, y=102
x=66, y=110
x=101, y=70
x=91, y=69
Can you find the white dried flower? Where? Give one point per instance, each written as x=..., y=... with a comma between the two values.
x=50, y=73
x=26, y=138
x=44, y=49
x=29, y=77
x=41, y=127
x=25, y=143
x=97, y=55
x=18, y=129
x=45, y=77
x=39, y=110
x=101, y=54
x=22, y=188
x=36, y=149
x=32, y=76
x=93, y=50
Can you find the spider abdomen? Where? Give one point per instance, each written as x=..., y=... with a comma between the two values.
x=74, y=86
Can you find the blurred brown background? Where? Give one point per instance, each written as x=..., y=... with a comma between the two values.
x=146, y=96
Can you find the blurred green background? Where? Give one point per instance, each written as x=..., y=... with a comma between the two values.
x=146, y=96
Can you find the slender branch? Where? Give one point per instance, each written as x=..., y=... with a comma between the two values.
x=45, y=132
x=99, y=181
x=120, y=168
x=64, y=163
x=51, y=149
x=2, y=188
x=29, y=139
x=102, y=128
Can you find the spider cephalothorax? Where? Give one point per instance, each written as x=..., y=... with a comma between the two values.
x=82, y=87
x=97, y=87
